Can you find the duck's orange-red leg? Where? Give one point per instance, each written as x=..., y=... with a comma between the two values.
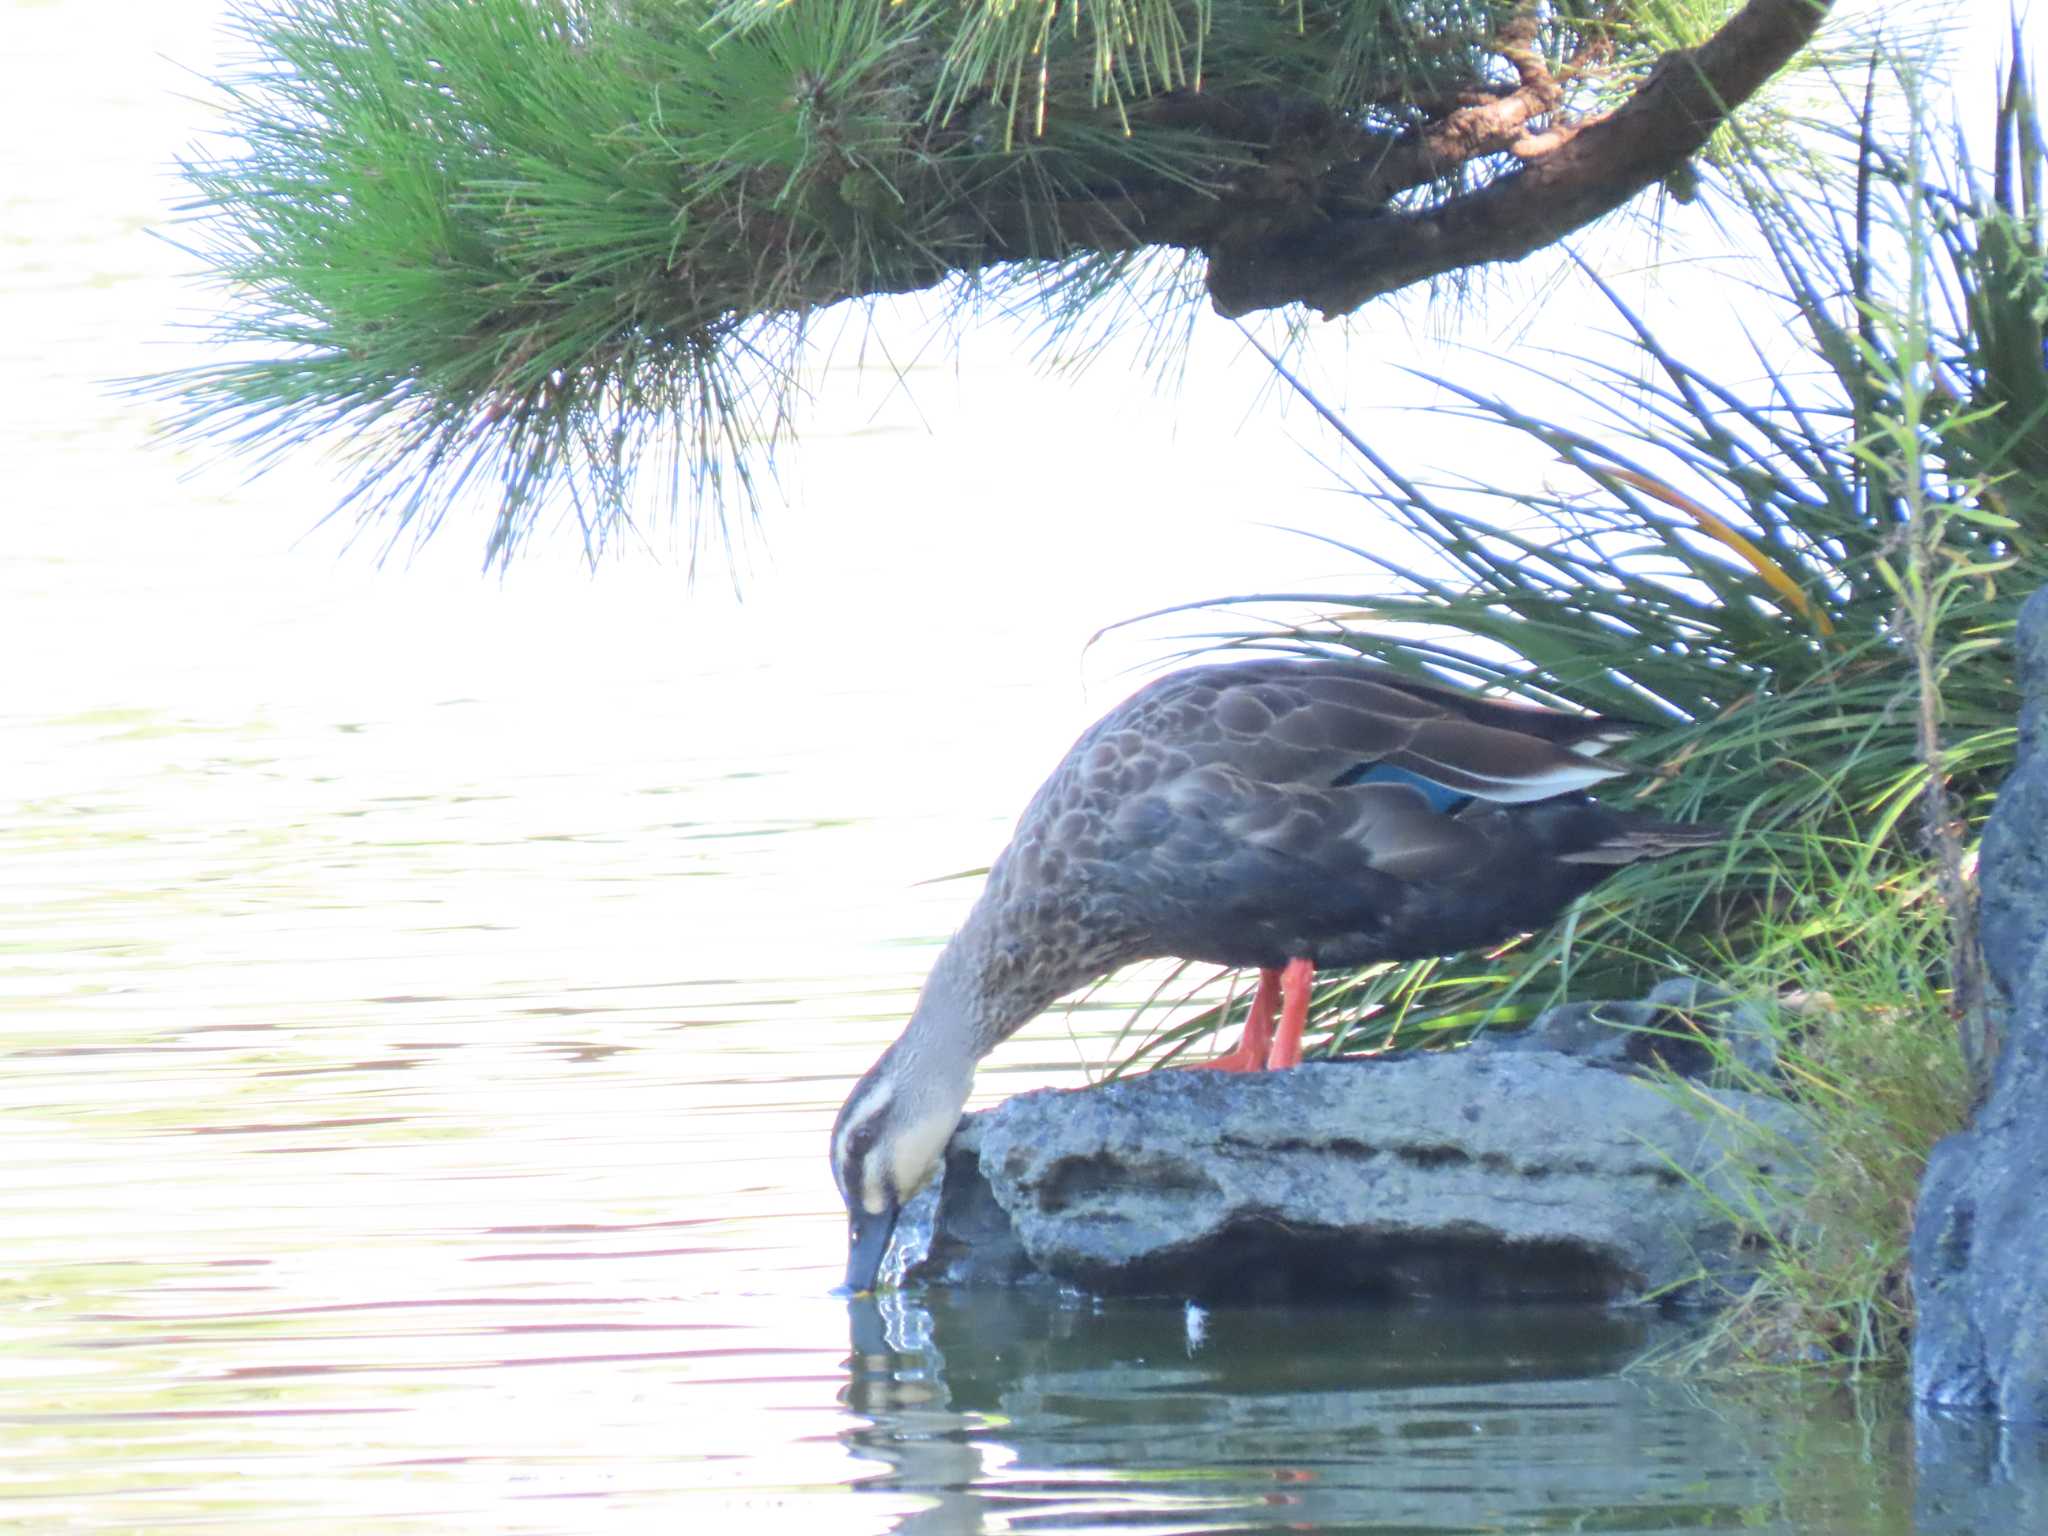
x=1252, y=1051
x=1294, y=988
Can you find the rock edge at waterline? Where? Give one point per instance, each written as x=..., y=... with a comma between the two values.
x=1980, y=1232
x=1477, y=1175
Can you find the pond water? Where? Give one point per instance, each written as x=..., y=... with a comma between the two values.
x=423, y=1000
x=411, y=1129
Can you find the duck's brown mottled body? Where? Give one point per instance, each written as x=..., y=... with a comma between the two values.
x=1258, y=813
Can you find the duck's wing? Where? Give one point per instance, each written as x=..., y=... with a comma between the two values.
x=1255, y=812
x=1243, y=812
x=1328, y=724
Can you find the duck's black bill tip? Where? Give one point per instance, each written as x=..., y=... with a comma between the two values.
x=867, y=1244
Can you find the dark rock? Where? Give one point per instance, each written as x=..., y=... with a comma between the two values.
x=1684, y=1026
x=2013, y=869
x=1465, y=1176
x=954, y=1226
x=1973, y=1476
x=1598, y=1034
x=1980, y=1233
x=1687, y=1006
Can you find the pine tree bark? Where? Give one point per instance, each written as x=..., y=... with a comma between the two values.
x=1571, y=174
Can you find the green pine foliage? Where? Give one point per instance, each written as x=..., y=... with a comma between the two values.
x=564, y=253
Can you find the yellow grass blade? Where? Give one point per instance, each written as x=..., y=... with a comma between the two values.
x=1763, y=564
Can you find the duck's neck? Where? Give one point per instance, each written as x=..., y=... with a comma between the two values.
x=979, y=992
x=1002, y=969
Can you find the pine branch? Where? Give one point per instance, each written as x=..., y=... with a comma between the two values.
x=1571, y=174
x=561, y=246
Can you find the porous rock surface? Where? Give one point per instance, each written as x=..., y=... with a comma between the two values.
x=1980, y=1234
x=1472, y=1175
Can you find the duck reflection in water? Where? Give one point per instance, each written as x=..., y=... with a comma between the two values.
x=1005, y=1411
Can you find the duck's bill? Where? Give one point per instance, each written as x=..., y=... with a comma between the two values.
x=867, y=1245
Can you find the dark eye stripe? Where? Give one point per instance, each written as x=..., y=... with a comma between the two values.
x=860, y=1141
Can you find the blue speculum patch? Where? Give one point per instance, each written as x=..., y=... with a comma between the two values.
x=1442, y=800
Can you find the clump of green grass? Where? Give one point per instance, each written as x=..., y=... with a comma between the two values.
x=1851, y=970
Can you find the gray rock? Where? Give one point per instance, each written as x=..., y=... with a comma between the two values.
x=1524, y=1176
x=1980, y=1232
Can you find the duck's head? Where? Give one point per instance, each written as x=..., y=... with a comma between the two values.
x=891, y=1133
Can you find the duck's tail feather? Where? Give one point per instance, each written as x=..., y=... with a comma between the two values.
x=1641, y=839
